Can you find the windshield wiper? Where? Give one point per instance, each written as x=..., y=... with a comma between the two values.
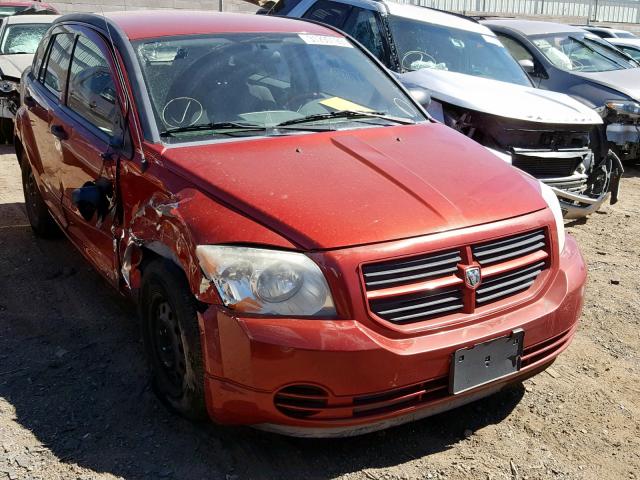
x=348, y=114
x=239, y=127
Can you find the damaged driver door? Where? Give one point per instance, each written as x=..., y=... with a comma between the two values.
x=90, y=126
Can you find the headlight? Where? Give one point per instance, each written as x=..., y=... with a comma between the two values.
x=7, y=86
x=554, y=206
x=270, y=282
x=624, y=107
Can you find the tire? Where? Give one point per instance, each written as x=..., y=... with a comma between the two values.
x=39, y=216
x=171, y=337
x=6, y=131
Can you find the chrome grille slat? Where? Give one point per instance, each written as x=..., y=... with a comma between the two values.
x=412, y=269
x=425, y=304
x=509, y=248
x=508, y=283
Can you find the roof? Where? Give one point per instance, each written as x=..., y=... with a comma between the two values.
x=437, y=17
x=165, y=23
x=13, y=19
x=531, y=27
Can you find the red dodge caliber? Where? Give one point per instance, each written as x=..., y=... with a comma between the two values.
x=310, y=253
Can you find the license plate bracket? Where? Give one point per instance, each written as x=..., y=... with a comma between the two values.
x=485, y=362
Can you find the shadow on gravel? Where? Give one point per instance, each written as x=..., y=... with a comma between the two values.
x=72, y=366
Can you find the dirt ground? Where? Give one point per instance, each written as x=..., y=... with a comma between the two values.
x=75, y=404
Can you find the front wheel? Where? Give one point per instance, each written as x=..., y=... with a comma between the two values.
x=171, y=337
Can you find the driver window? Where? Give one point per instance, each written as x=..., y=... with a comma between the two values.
x=92, y=93
x=516, y=49
x=364, y=26
x=331, y=13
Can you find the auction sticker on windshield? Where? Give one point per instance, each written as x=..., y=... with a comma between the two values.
x=325, y=40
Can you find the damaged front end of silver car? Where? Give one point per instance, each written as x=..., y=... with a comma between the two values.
x=573, y=159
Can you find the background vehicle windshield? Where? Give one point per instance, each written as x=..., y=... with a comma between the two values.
x=22, y=38
x=581, y=54
x=425, y=45
x=631, y=51
x=8, y=11
x=263, y=80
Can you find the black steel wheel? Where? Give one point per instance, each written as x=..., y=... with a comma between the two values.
x=172, y=339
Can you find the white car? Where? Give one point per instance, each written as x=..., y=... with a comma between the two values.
x=19, y=39
x=477, y=88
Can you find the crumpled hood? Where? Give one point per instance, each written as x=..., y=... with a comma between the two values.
x=501, y=98
x=353, y=187
x=14, y=65
x=626, y=81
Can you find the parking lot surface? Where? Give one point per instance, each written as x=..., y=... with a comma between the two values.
x=75, y=402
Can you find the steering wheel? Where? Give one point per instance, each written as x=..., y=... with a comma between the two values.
x=310, y=96
x=577, y=65
x=420, y=56
x=182, y=112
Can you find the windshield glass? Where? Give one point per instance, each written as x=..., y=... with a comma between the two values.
x=625, y=35
x=22, y=38
x=8, y=11
x=425, y=45
x=631, y=51
x=580, y=53
x=262, y=80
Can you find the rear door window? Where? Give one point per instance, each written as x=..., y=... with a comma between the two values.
x=55, y=73
x=92, y=92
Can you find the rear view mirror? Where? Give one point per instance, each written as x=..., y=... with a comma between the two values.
x=420, y=95
x=527, y=65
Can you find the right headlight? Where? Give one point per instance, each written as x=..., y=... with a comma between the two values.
x=269, y=282
x=554, y=205
x=627, y=108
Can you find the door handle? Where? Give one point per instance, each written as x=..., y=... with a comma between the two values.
x=58, y=131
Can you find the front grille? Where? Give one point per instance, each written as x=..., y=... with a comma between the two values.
x=508, y=283
x=546, y=167
x=423, y=305
x=413, y=269
x=509, y=248
x=430, y=286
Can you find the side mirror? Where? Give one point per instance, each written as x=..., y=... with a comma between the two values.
x=420, y=95
x=527, y=65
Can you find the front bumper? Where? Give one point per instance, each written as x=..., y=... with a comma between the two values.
x=372, y=381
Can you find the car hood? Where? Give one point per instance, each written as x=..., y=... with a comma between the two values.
x=354, y=187
x=501, y=98
x=626, y=81
x=14, y=65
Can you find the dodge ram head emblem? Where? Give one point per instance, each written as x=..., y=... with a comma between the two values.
x=472, y=277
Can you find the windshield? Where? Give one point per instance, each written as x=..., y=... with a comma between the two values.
x=22, y=38
x=248, y=84
x=625, y=35
x=580, y=53
x=8, y=11
x=631, y=51
x=425, y=45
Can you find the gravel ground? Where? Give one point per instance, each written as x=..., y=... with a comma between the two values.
x=74, y=402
